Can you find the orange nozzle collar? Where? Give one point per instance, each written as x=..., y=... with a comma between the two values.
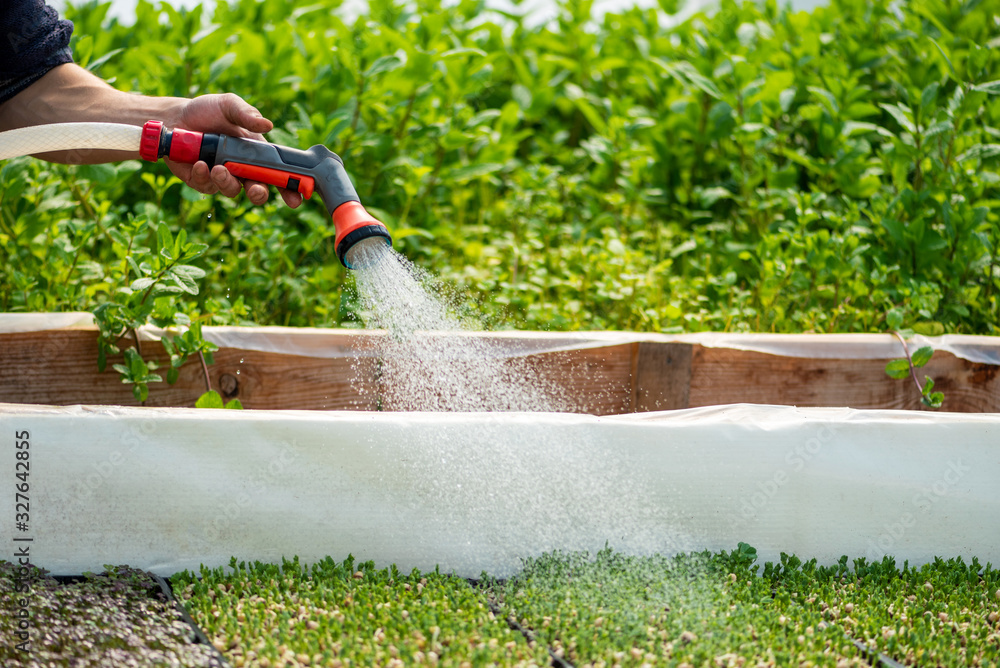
x=353, y=224
x=348, y=217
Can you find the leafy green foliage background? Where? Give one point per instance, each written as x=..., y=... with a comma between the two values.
x=751, y=170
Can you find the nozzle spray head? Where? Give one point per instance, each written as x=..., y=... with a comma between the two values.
x=353, y=224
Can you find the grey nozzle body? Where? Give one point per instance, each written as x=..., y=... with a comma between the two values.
x=319, y=162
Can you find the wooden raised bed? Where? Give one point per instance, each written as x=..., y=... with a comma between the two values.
x=169, y=488
x=606, y=373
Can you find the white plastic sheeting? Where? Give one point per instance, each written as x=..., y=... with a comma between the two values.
x=323, y=343
x=169, y=489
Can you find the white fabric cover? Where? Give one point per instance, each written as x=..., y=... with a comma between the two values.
x=169, y=489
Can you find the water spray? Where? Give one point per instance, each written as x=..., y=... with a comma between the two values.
x=317, y=169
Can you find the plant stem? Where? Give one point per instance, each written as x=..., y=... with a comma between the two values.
x=156, y=280
x=204, y=368
x=135, y=337
x=909, y=360
x=84, y=201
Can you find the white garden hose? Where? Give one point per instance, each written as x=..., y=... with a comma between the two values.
x=69, y=136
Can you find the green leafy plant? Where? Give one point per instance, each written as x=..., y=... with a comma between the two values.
x=213, y=399
x=721, y=609
x=700, y=608
x=739, y=171
x=349, y=613
x=154, y=277
x=907, y=366
x=138, y=373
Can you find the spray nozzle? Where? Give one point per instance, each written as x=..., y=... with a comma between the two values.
x=316, y=169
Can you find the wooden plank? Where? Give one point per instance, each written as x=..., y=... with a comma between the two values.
x=589, y=380
x=597, y=380
x=725, y=376
x=661, y=376
x=285, y=382
x=59, y=367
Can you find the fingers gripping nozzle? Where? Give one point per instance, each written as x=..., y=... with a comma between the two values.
x=317, y=169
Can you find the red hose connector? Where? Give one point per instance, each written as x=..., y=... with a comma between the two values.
x=149, y=145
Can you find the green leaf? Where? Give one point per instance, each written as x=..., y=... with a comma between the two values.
x=901, y=116
x=522, y=95
x=191, y=251
x=929, y=328
x=185, y=282
x=137, y=365
x=484, y=117
x=947, y=60
x=403, y=232
x=138, y=269
x=94, y=65
x=464, y=51
x=470, y=172
x=165, y=240
x=141, y=284
x=922, y=356
x=580, y=99
x=894, y=318
x=220, y=65
x=897, y=369
x=688, y=74
x=980, y=152
x=933, y=400
x=189, y=270
x=853, y=127
x=702, y=82
x=827, y=97
x=928, y=97
x=991, y=87
x=383, y=64
x=234, y=404
x=938, y=128
x=786, y=98
x=210, y=399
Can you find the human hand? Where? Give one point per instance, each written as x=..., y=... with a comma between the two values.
x=226, y=114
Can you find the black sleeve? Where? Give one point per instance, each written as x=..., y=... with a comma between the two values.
x=33, y=40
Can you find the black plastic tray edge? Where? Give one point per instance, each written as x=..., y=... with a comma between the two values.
x=874, y=656
x=168, y=591
x=557, y=661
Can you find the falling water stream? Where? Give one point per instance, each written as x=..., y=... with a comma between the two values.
x=428, y=361
x=519, y=485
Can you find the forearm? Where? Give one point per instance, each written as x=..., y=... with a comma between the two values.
x=70, y=94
